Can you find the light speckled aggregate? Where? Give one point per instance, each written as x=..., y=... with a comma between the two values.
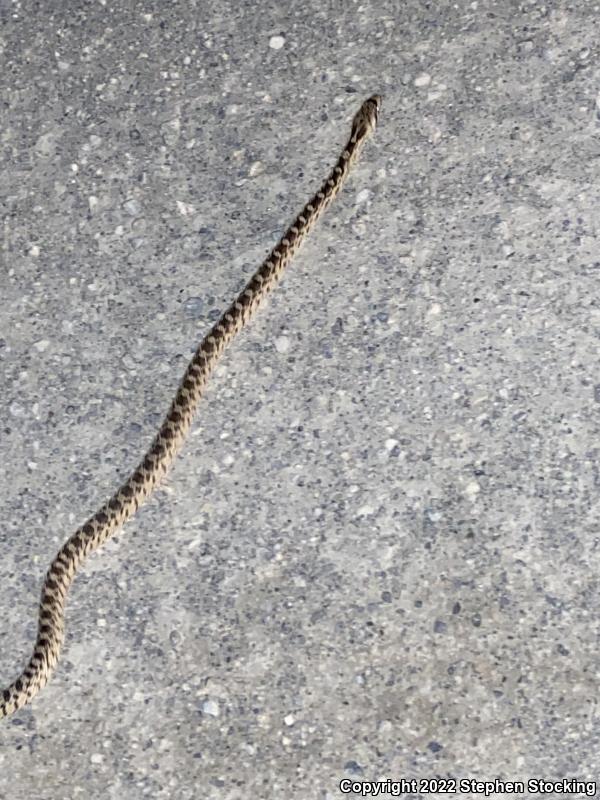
x=378, y=555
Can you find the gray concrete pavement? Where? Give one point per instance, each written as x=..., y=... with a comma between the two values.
x=378, y=555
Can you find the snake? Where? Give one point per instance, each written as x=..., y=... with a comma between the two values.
x=174, y=428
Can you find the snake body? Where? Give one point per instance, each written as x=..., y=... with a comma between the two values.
x=169, y=439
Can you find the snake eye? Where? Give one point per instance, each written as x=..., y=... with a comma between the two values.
x=376, y=102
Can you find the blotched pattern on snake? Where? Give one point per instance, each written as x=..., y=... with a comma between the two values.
x=175, y=427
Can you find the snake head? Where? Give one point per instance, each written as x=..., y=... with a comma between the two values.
x=365, y=119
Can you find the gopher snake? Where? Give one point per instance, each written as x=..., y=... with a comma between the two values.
x=174, y=429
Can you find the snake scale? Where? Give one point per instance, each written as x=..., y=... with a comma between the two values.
x=169, y=439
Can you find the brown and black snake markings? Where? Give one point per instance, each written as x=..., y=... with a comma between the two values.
x=175, y=427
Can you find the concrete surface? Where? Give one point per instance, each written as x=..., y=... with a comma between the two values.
x=378, y=555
